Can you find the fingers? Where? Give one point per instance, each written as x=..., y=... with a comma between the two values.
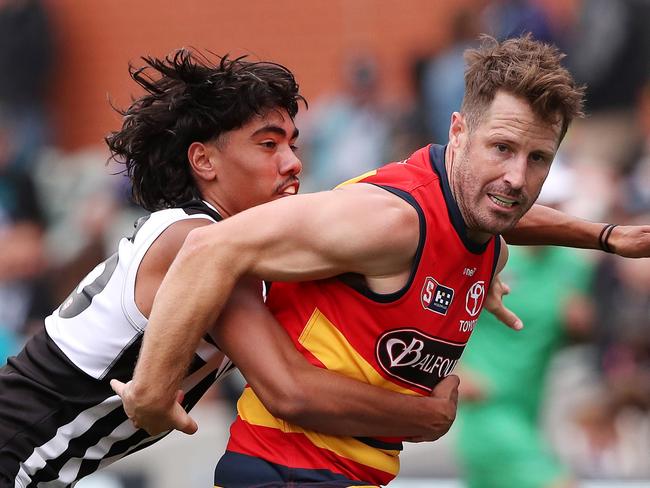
x=505, y=289
x=182, y=421
x=494, y=304
x=118, y=387
x=155, y=421
x=507, y=316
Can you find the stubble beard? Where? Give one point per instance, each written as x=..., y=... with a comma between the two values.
x=478, y=218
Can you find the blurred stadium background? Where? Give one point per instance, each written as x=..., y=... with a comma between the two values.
x=382, y=78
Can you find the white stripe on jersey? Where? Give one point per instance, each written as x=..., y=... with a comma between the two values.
x=56, y=446
x=59, y=443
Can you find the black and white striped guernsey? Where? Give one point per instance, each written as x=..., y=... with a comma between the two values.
x=59, y=418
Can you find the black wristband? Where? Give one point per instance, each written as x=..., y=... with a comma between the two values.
x=603, y=238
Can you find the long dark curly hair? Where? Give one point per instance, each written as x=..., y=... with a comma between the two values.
x=189, y=99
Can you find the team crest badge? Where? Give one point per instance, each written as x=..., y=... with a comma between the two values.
x=436, y=297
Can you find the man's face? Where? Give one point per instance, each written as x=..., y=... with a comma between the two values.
x=498, y=169
x=257, y=162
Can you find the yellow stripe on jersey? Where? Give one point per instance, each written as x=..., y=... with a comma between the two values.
x=357, y=179
x=321, y=338
x=251, y=410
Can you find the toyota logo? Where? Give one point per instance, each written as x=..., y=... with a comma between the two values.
x=474, y=298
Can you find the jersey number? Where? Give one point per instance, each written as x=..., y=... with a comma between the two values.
x=94, y=282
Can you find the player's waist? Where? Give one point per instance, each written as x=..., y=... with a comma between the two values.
x=256, y=428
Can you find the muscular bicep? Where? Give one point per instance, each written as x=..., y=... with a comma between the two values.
x=362, y=229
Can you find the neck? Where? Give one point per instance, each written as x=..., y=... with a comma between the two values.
x=217, y=206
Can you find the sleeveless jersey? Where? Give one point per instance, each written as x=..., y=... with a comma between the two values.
x=405, y=341
x=72, y=423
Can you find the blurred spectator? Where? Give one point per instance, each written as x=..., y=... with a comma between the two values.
x=503, y=373
x=444, y=76
x=21, y=240
x=636, y=185
x=410, y=127
x=26, y=59
x=346, y=135
x=623, y=328
x=512, y=18
x=609, y=51
x=608, y=433
x=86, y=211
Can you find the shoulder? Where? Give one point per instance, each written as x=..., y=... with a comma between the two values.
x=385, y=217
x=379, y=202
x=169, y=242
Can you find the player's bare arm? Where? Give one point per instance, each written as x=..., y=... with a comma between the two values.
x=545, y=226
x=151, y=272
x=361, y=229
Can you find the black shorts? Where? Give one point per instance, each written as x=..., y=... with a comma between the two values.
x=236, y=470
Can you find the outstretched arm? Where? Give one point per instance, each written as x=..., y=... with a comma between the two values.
x=545, y=226
x=364, y=230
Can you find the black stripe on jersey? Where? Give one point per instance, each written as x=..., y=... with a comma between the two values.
x=135, y=443
x=437, y=157
x=208, y=338
x=497, y=253
x=47, y=392
x=119, y=448
x=77, y=447
x=44, y=392
x=199, y=207
x=395, y=446
x=358, y=283
x=123, y=364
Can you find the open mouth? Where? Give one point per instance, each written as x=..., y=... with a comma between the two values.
x=502, y=201
x=290, y=189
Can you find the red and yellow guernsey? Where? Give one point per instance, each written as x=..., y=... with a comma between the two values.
x=405, y=341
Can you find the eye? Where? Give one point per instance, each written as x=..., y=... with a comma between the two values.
x=269, y=144
x=537, y=158
x=293, y=147
x=502, y=148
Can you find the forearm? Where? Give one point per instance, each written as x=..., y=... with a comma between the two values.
x=186, y=304
x=337, y=405
x=546, y=226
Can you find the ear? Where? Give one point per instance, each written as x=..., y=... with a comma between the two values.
x=457, y=130
x=202, y=158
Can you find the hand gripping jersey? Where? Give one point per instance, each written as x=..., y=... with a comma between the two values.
x=59, y=418
x=405, y=341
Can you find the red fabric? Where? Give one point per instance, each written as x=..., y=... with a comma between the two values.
x=419, y=342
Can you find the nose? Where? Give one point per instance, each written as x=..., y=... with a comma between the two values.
x=290, y=164
x=515, y=174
